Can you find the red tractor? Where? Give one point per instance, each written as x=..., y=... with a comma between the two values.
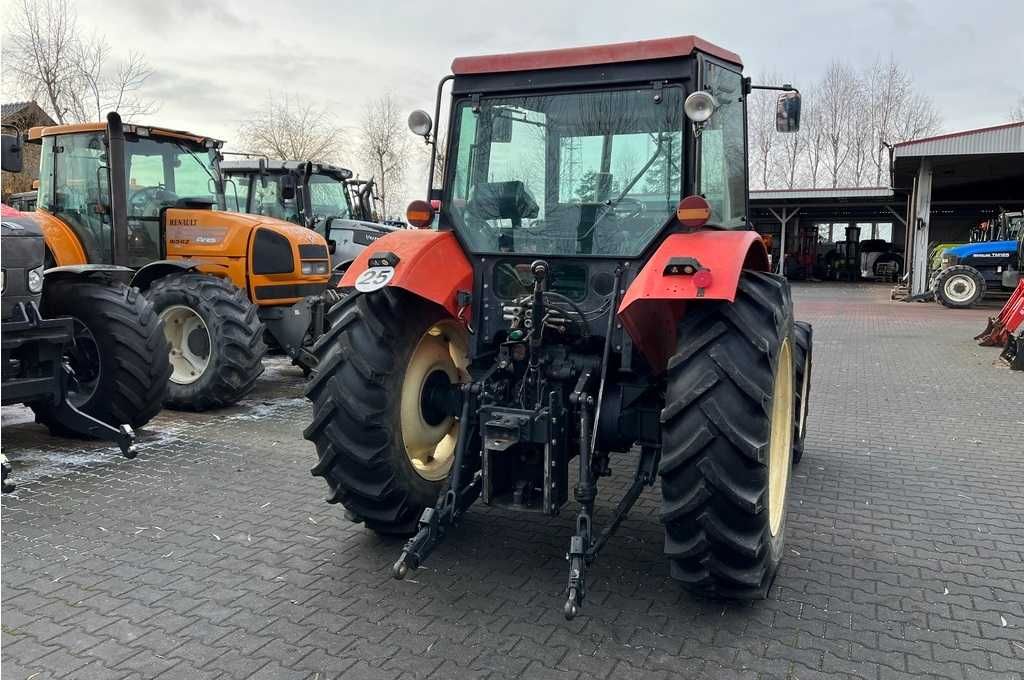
x=591, y=287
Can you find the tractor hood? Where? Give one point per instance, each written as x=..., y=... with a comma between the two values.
x=293, y=232
x=213, y=233
x=984, y=248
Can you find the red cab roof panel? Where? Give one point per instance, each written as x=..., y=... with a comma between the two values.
x=641, y=50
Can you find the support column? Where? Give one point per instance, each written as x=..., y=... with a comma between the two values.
x=783, y=219
x=922, y=200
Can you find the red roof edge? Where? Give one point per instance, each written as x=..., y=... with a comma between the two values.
x=961, y=133
x=640, y=50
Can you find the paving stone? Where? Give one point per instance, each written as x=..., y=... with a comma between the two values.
x=903, y=553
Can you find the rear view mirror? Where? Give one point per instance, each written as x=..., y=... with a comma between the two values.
x=11, y=154
x=287, y=188
x=787, y=112
x=501, y=128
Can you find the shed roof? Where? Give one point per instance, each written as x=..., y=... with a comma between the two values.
x=997, y=139
x=820, y=194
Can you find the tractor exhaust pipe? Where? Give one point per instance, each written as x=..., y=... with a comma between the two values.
x=118, y=182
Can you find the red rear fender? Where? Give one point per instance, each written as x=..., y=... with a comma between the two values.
x=431, y=264
x=656, y=300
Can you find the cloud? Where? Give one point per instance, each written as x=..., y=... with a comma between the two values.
x=217, y=60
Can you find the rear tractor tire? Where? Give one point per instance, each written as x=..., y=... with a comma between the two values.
x=727, y=437
x=216, y=340
x=803, y=355
x=959, y=286
x=119, y=359
x=384, y=442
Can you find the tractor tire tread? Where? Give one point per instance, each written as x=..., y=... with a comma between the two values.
x=359, y=450
x=235, y=329
x=715, y=433
x=134, y=351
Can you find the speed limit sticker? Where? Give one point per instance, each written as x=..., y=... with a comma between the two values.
x=374, y=278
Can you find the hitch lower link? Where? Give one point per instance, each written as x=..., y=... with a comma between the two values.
x=456, y=499
x=79, y=421
x=584, y=548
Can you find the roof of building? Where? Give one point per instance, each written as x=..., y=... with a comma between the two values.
x=29, y=108
x=997, y=139
x=640, y=50
x=840, y=193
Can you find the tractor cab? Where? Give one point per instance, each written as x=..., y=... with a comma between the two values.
x=590, y=154
x=322, y=197
x=161, y=168
x=301, y=192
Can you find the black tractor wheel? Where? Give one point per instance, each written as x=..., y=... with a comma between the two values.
x=119, y=359
x=959, y=286
x=727, y=437
x=384, y=438
x=216, y=340
x=803, y=355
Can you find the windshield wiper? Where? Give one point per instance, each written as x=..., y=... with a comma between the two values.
x=199, y=161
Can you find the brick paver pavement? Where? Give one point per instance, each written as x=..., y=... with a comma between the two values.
x=212, y=555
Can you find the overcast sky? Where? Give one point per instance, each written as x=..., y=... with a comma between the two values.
x=216, y=61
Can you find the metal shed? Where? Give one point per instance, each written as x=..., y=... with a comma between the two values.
x=954, y=181
x=779, y=212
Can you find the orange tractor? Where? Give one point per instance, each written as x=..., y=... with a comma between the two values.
x=592, y=287
x=152, y=199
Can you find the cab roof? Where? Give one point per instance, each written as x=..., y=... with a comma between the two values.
x=35, y=134
x=272, y=166
x=640, y=50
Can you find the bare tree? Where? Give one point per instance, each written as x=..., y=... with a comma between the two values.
x=762, y=133
x=40, y=51
x=862, y=143
x=75, y=78
x=102, y=88
x=814, y=132
x=289, y=128
x=384, y=148
x=793, y=151
x=837, y=98
x=1017, y=112
x=887, y=87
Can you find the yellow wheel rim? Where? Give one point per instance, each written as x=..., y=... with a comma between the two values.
x=781, y=439
x=429, y=438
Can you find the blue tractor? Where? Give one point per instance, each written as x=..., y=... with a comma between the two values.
x=972, y=269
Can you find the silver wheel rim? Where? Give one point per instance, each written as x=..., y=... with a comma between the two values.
x=187, y=363
x=960, y=288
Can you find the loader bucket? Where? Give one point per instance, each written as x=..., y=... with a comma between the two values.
x=1001, y=328
x=994, y=334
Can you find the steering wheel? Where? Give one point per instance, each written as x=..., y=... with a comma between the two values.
x=143, y=199
x=627, y=208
